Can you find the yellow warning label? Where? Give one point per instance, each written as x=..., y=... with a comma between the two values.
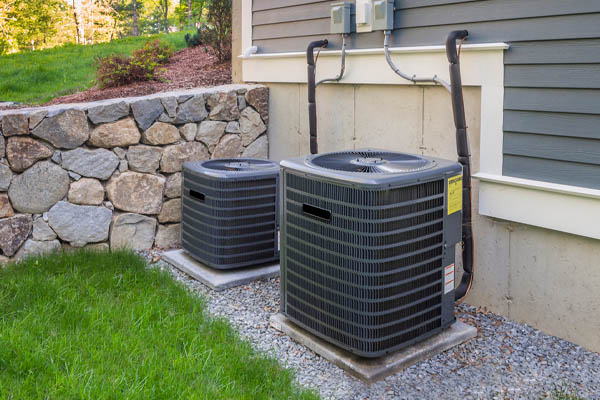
x=454, y=194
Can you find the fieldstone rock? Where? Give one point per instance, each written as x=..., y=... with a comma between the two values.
x=189, y=131
x=2, y=146
x=6, y=209
x=147, y=111
x=161, y=133
x=74, y=176
x=56, y=157
x=108, y=112
x=223, y=106
x=193, y=110
x=99, y=247
x=170, y=105
x=38, y=188
x=184, y=97
x=230, y=146
x=23, y=152
x=123, y=166
x=137, y=193
x=121, y=133
x=4, y=260
x=109, y=205
x=164, y=117
x=171, y=211
x=15, y=124
x=36, y=117
x=132, y=231
x=98, y=163
x=168, y=236
x=233, y=127
x=121, y=153
x=144, y=158
x=251, y=125
x=33, y=248
x=241, y=102
x=258, y=149
x=79, y=225
x=173, y=186
x=5, y=177
x=259, y=99
x=86, y=191
x=66, y=130
x=175, y=155
x=42, y=231
x=210, y=132
x=13, y=232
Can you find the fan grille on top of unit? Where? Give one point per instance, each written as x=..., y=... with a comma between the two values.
x=238, y=164
x=372, y=162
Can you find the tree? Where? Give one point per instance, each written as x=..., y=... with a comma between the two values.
x=78, y=17
x=189, y=13
x=134, y=17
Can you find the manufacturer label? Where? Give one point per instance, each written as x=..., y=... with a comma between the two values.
x=454, y=194
x=449, y=278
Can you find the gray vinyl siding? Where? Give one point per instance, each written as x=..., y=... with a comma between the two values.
x=552, y=69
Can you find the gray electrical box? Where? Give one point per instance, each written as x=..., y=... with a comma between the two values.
x=340, y=17
x=383, y=15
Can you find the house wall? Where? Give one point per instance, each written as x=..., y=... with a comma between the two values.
x=542, y=277
x=552, y=69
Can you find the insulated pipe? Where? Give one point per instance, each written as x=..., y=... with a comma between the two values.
x=312, y=103
x=413, y=78
x=464, y=158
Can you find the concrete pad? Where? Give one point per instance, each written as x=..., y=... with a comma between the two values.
x=219, y=279
x=371, y=370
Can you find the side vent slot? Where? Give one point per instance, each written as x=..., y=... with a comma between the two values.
x=316, y=212
x=197, y=195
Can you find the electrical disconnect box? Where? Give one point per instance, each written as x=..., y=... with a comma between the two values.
x=340, y=17
x=383, y=15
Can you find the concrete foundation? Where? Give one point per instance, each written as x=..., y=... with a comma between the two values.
x=532, y=275
x=370, y=370
x=219, y=279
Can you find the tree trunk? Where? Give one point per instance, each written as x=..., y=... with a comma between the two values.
x=167, y=16
x=135, y=17
x=78, y=15
x=189, y=12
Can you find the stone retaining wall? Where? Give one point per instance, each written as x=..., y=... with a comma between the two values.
x=108, y=174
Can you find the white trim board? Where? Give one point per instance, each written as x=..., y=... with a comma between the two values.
x=559, y=207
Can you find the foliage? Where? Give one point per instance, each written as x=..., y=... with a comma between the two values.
x=38, y=76
x=218, y=32
x=142, y=65
x=100, y=325
x=196, y=39
x=190, y=19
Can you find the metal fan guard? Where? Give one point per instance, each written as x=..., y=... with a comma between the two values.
x=372, y=162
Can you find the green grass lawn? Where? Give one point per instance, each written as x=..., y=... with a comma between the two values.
x=38, y=76
x=87, y=325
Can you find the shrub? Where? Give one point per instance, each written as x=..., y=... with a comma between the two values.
x=142, y=65
x=196, y=39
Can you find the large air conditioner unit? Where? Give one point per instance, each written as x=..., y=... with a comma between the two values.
x=230, y=212
x=368, y=245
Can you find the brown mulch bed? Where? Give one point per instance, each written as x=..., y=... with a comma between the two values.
x=189, y=68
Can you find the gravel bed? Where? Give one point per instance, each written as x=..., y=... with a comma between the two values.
x=505, y=361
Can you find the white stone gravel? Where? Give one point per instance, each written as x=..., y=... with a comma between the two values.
x=505, y=361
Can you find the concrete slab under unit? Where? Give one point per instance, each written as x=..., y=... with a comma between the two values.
x=372, y=370
x=219, y=279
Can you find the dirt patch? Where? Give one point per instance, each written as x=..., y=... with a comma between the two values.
x=189, y=68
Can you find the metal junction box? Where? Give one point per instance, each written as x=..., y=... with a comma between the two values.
x=340, y=17
x=383, y=15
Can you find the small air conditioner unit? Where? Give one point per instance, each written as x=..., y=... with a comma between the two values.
x=230, y=212
x=368, y=245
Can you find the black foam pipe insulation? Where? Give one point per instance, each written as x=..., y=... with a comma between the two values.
x=464, y=158
x=312, y=103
